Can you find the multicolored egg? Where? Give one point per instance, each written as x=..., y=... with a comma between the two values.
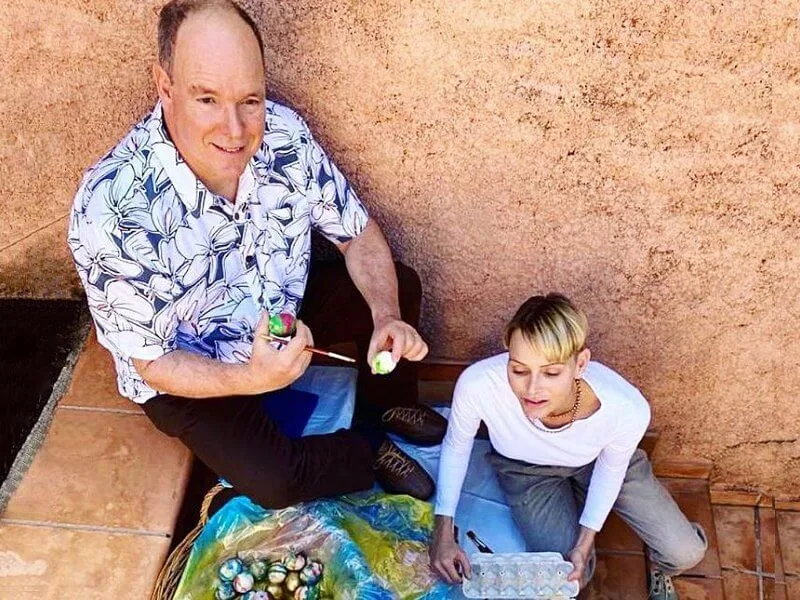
x=306, y=593
x=225, y=591
x=292, y=582
x=258, y=569
x=383, y=363
x=277, y=573
x=276, y=591
x=295, y=561
x=230, y=569
x=311, y=573
x=243, y=582
x=257, y=595
x=282, y=324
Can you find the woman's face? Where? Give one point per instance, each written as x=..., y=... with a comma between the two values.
x=543, y=387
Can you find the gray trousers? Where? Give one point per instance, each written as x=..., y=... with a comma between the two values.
x=547, y=502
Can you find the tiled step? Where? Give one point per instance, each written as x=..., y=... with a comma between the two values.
x=94, y=514
x=617, y=577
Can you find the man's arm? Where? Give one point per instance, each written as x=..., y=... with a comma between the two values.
x=191, y=375
x=369, y=262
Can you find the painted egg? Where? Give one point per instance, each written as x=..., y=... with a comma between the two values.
x=282, y=324
x=225, y=591
x=295, y=562
x=277, y=572
x=230, y=569
x=292, y=582
x=383, y=363
x=276, y=591
x=258, y=568
x=309, y=574
x=317, y=567
x=243, y=582
x=306, y=593
x=257, y=595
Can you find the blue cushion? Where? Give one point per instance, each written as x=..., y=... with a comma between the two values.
x=321, y=401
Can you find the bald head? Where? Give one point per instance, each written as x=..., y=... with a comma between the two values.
x=175, y=12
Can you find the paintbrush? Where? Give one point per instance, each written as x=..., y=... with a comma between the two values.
x=283, y=340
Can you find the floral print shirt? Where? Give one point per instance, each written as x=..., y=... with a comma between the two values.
x=168, y=265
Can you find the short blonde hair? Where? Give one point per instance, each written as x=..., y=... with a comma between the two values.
x=554, y=326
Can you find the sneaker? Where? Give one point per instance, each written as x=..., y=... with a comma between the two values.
x=661, y=587
x=398, y=473
x=420, y=425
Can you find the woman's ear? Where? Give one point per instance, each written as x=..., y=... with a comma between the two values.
x=582, y=361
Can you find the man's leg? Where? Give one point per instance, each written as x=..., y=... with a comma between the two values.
x=336, y=312
x=674, y=544
x=544, y=505
x=234, y=438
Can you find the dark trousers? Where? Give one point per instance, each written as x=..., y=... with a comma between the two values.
x=238, y=442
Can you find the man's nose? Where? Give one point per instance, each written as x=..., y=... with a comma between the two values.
x=233, y=122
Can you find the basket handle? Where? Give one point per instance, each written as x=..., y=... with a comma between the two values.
x=207, y=502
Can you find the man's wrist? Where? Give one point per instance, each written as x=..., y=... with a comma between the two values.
x=382, y=317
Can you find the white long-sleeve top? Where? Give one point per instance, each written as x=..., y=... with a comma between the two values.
x=609, y=436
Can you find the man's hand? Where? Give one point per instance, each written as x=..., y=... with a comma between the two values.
x=448, y=560
x=400, y=337
x=270, y=369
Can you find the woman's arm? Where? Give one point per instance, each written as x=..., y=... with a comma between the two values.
x=448, y=560
x=612, y=464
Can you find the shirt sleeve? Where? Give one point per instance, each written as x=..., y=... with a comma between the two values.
x=128, y=287
x=612, y=464
x=334, y=208
x=457, y=446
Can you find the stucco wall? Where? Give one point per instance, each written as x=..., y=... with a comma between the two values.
x=642, y=159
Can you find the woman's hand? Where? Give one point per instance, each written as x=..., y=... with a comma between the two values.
x=580, y=554
x=448, y=560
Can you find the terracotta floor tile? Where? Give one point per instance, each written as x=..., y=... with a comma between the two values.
x=736, y=534
x=56, y=564
x=699, y=588
x=107, y=469
x=770, y=555
x=94, y=380
x=792, y=588
x=789, y=536
x=774, y=591
x=739, y=586
x=618, y=577
x=693, y=498
x=679, y=467
x=617, y=535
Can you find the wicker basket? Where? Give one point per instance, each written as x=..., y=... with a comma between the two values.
x=172, y=571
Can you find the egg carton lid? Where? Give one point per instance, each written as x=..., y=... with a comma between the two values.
x=556, y=587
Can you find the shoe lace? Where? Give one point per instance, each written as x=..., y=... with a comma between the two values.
x=394, y=462
x=410, y=415
x=659, y=582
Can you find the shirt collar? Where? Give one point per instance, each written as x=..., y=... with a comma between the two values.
x=192, y=192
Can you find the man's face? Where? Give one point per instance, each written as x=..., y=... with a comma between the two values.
x=214, y=99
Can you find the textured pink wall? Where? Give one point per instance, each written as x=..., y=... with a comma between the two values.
x=642, y=159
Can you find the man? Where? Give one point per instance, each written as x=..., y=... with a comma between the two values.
x=197, y=226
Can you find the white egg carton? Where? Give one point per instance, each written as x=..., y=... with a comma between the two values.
x=537, y=575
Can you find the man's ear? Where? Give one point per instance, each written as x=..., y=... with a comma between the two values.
x=583, y=358
x=163, y=83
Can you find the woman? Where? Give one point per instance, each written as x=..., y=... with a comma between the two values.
x=565, y=431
